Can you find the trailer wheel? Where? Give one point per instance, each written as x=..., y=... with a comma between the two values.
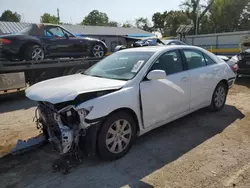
x=74, y=70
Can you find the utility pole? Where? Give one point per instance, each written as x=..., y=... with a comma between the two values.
x=58, y=15
x=197, y=17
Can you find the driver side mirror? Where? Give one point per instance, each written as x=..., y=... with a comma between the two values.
x=156, y=75
x=66, y=35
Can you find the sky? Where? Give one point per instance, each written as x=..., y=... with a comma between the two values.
x=73, y=11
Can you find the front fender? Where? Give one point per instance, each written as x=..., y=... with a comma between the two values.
x=104, y=105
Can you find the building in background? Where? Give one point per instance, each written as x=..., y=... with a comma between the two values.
x=112, y=36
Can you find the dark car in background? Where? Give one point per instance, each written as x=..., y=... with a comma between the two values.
x=40, y=41
x=148, y=42
x=151, y=42
x=242, y=60
x=173, y=42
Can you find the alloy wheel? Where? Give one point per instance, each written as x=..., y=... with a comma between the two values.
x=220, y=96
x=118, y=136
x=37, y=54
x=98, y=51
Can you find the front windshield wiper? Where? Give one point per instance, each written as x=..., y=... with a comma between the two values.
x=95, y=75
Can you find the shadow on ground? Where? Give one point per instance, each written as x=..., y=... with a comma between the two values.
x=15, y=101
x=151, y=152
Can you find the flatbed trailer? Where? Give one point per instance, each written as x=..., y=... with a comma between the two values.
x=17, y=75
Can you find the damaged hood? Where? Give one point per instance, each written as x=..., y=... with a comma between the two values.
x=67, y=88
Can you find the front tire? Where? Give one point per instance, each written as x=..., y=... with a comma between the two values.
x=98, y=50
x=219, y=97
x=116, y=136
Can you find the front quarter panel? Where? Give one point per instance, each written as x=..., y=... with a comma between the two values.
x=104, y=105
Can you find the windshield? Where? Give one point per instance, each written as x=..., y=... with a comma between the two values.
x=120, y=65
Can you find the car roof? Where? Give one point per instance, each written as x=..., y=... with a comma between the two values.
x=160, y=48
x=50, y=24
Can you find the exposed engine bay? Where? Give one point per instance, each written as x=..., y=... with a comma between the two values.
x=67, y=128
x=63, y=127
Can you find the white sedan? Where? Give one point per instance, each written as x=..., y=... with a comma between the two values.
x=128, y=94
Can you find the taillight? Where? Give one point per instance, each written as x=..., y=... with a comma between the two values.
x=235, y=67
x=4, y=41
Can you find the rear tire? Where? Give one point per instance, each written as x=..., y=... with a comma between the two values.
x=34, y=52
x=74, y=70
x=116, y=136
x=219, y=97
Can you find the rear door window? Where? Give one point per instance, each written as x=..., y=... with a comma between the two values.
x=195, y=59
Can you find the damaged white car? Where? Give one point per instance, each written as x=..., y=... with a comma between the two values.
x=128, y=94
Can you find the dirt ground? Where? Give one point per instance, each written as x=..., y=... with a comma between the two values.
x=203, y=149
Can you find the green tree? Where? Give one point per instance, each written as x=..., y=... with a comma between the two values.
x=143, y=23
x=174, y=19
x=47, y=18
x=96, y=18
x=113, y=24
x=245, y=18
x=159, y=22
x=9, y=16
x=206, y=25
x=127, y=24
x=229, y=15
x=168, y=22
x=196, y=11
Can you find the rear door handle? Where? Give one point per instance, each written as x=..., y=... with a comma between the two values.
x=184, y=78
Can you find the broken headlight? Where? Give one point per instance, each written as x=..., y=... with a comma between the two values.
x=71, y=117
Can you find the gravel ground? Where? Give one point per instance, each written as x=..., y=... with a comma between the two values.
x=203, y=149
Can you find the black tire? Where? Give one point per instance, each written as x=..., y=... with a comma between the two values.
x=93, y=51
x=30, y=50
x=74, y=70
x=102, y=148
x=214, y=106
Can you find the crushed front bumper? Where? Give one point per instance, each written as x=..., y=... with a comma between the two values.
x=65, y=137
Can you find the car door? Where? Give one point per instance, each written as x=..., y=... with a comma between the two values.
x=79, y=45
x=57, y=44
x=202, y=78
x=165, y=98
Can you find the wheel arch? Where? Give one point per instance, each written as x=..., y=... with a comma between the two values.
x=225, y=82
x=130, y=112
x=26, y=44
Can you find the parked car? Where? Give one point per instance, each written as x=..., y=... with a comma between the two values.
x=232, y=62
x=151, y=42
x=243, y=62
x=40, y=41
x=148, y=42
x=128, y=94
x=173, y=42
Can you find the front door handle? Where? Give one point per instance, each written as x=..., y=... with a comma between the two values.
x=216, y=69
x=184, y=78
